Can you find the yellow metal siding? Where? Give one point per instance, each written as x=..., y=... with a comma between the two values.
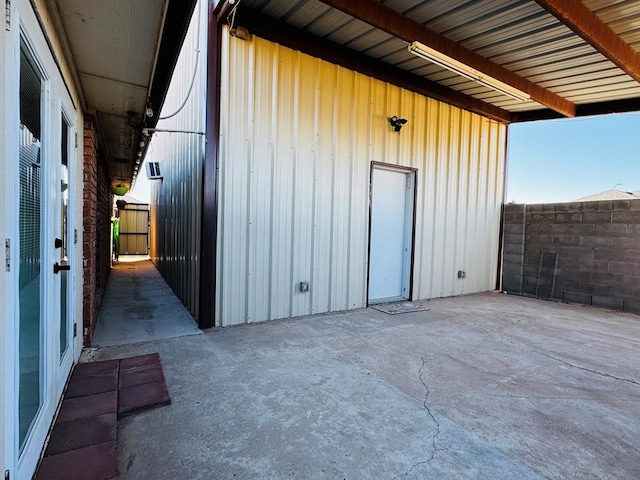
x=133, y=245
x=298, y=136
x=134, y=221
x=134, y=230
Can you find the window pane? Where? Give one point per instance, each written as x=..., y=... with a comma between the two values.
x=30, y=329
x=64, y=200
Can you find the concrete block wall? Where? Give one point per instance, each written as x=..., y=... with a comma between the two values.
x=598, y=248
x=96, y=229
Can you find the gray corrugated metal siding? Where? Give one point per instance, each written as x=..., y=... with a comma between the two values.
x=176, y=207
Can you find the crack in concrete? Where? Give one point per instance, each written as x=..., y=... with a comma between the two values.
x=537, y=397
x=595, y=372
x=557, y=359
x=499, y=333
x=425, y=404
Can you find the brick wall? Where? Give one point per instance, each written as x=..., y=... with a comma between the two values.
x=96, y=234
x=585, y=252
x=104, y=214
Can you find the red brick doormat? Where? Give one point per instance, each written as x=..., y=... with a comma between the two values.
x=83, y=442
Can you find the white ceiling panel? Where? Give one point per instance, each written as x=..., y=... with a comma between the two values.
x=112, y=97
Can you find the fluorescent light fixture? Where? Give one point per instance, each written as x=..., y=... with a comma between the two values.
x=466, y=71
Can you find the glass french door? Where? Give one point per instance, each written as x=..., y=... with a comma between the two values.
x=44, y=248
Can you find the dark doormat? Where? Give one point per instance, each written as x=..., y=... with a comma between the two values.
x=394, y=308
x=82, y=445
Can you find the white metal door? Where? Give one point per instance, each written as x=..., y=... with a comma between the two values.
x=391, y=234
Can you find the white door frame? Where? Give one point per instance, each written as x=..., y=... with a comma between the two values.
x=11, y=218
x=410, y=220
x=55, y=102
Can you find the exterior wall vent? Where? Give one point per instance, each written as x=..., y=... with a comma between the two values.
x=153, y=171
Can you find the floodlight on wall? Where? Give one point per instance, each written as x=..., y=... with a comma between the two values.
x=466, y=71
x=240, y=32
x=397, y=123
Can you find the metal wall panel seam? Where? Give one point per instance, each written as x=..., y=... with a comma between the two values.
x=272, y=148
x=295, y=117
x=252, y=295
x=316, y=146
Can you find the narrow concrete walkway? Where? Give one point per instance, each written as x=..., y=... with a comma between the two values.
x=139, y=306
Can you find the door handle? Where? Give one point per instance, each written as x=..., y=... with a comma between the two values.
x=58, y=268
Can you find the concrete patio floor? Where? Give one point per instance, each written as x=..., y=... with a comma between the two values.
x=486, y=386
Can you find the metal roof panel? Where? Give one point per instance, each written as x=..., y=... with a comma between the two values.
x=516, y=34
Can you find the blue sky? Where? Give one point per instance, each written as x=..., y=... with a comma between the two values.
x=563, y=160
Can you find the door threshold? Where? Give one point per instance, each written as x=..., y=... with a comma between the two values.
x=378, y=301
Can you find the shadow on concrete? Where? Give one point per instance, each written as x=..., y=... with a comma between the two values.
x=139, y=306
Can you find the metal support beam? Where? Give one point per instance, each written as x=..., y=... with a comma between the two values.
x=395, y=23
x=224, y=9
x=586, y=24
x=291, y=37
x=598, y=108
x=209, y=218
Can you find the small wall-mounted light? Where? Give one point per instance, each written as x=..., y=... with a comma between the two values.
x=149, y=112
x=240, y=32
x=397, y=123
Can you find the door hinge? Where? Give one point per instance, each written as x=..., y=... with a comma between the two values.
x=76, y=139
x=7, y=254
x=75, y=330
x=409, y=183
x=7, y=13
x=7, y=475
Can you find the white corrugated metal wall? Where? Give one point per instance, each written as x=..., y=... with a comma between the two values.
x=176, y=199
x=298, y=136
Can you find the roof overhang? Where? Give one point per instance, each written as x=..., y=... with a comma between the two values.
x=566, y=58
x=122, y=54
